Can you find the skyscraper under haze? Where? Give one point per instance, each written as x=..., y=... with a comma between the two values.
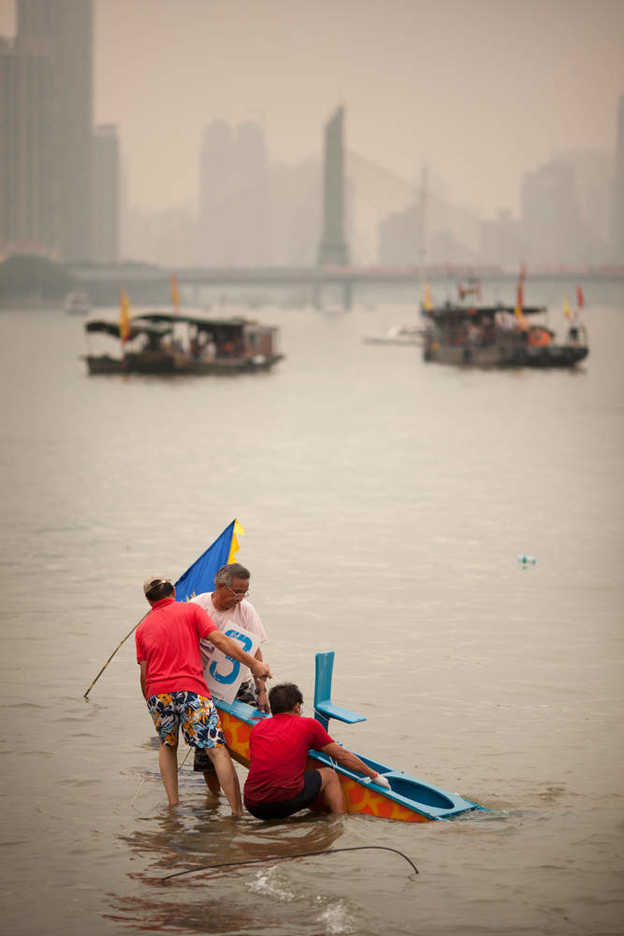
x=551, y=219
x=46, y=104
x=28, y=197
x=333, y=247
x=234, y=201
x=106, y=194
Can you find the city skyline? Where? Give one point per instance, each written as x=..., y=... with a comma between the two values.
x=482, y=92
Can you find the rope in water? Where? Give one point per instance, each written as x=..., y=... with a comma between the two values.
x=329, y=851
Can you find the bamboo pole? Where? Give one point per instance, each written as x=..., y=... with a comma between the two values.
x=120, y=644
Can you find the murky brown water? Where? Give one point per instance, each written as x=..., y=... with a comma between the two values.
x=385, y=502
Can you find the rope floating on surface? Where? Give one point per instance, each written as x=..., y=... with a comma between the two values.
x=328, y=851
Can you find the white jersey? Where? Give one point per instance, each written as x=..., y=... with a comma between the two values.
x=243, y=614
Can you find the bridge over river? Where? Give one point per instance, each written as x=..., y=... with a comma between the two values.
x=315, y=285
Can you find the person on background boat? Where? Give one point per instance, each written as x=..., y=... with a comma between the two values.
x=228, y=606
x=173, y=685
x=278, y=783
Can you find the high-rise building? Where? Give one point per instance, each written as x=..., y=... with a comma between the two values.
x=552, y=225
x=234, y=199
x=592, y=178
x=28, y=195
x=400, y=242
x=617, y=211
x=106, y=194
x=295, y=212
x=333, y=248
x=501, y=241
x=48, y=100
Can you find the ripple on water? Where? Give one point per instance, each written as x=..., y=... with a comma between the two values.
x=337, y=918
x=271, y=882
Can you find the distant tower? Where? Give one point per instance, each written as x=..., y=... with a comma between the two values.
x=333, y=249
x=106, y=194
x=28, y=195
x=617, y=216
x=234, y=200
x=61, y=33
x=422, y=213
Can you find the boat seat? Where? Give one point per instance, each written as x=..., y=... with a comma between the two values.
x=329, y=710
x=324, y=708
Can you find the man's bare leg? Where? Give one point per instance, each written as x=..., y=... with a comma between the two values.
x=212, y=782
x=227, y=777
x=331, y=790
x=168, y=763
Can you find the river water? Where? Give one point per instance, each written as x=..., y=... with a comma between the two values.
x=385, y=502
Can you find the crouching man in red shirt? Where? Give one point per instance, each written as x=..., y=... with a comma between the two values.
x=278, y=783
x=172, y=682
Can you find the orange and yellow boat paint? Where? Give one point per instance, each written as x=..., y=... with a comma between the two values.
x=408, y=800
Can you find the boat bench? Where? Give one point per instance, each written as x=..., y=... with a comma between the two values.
x=324, y=708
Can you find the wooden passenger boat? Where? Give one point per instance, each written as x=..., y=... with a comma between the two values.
x=409, y=799
x=499, y=336
x=166, y=344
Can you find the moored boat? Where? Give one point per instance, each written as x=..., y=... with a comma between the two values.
x=166, y=344
x=409, y=799
x=500, y=335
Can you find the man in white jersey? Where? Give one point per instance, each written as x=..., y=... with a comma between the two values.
x=228, y=606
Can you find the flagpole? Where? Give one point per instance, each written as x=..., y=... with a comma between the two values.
x=206, y=584
x=120, y=644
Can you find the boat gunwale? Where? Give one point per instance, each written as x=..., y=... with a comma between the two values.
x=250, y=716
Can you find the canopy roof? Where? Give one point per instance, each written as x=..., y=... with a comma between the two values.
x=453, y=312
x=162, y=323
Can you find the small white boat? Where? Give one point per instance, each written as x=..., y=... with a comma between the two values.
x=398, y=335
x=77, y=303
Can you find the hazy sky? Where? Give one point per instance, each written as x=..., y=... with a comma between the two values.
x=481, y=90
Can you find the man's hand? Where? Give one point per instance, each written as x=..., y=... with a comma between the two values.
x=381, y=781
x=261, y=670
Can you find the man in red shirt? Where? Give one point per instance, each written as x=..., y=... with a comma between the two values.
x=278, y=783
x=173, y=684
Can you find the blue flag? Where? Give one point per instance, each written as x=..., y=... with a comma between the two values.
x=199, y=577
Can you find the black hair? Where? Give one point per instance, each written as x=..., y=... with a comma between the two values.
x=284, y=697
x=159, y=591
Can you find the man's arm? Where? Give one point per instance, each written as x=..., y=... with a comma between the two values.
x=230, y=647
x=143, y=665
x=352, y=762
x=260, y=682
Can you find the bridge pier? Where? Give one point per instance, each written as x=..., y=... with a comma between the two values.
x=347, y=288
x=347, y=295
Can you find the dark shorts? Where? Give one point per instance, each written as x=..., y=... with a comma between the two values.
x=280, y=809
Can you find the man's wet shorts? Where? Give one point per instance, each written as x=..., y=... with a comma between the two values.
x=195, y=714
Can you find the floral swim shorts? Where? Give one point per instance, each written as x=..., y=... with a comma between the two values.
x=195, y=714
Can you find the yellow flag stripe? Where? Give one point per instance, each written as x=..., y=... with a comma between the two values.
x=234, y=545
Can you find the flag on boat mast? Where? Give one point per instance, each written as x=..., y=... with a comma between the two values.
x=175, y=295
x=519, y=309
x=124, y=318
x=567, y=311
x=427, y=301
x=580, y=298
x=199, y=577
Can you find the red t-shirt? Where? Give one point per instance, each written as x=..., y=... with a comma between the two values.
x=168, y=640
x=278, y=754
